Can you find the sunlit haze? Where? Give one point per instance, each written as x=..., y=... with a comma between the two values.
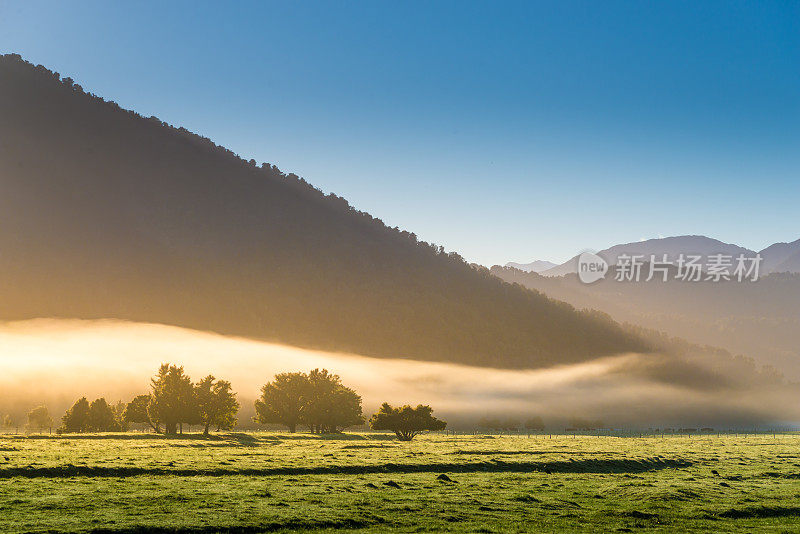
x=57, y=361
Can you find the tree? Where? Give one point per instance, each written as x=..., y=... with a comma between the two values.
x=317, y=399
x=137, y=412
x=216, y=404
x=9, y=421
x=495, y=423
x=330, y=406
x=76, y=419
x=39, y=418
x=172, y=398
x=321, y=385
x=406, y=422
x=101, y=417
x=282, y=400
x=344, y=410
x=119, y=415
x=510, y=424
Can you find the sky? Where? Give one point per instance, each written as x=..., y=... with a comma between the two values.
x=504, y=131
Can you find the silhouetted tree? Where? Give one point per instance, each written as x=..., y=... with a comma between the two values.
x=216, y=404
x=406, y=422
x=344, y=410
x=39, y=418
x=9, y=421
x=119, y=415
x=282, y=400
x=330, y=406
x=101, y=417
x=172, y=398
x=317, y=399
x=76, y=419
x=137, y=412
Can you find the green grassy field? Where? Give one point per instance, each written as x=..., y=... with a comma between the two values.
x=266, y=482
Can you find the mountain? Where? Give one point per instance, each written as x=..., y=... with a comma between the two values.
x=758, y=319
x=536, y=266
x=781, y=258
x=108, y=214
x=671, y=246
x=789, y=265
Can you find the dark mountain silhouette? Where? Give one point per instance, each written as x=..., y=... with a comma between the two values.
x=104, y=213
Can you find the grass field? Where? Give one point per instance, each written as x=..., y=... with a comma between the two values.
x=265, y=482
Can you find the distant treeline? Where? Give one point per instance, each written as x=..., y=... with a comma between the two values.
x=316, y=399
x=510, y=423
x=110, y=214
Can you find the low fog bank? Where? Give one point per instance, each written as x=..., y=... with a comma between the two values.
x=57, y=361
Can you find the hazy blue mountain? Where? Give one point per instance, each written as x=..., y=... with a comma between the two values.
x=758, y=319
x=671, y=246
x=536, y=266
x=781, y=258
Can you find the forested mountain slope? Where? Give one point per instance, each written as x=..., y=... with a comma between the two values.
x=104, y=213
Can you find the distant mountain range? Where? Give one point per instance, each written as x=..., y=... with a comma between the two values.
x=105, y=213
x=536, y=266
x=759, y=319
x=780, y=257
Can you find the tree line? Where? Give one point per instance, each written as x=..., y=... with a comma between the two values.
x=174, y=401
x=317, y=400
x=320, y=401
x=511, y=424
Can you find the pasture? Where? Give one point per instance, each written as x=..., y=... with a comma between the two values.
x=267, y=482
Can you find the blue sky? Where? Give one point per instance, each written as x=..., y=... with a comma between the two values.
x=505, y=131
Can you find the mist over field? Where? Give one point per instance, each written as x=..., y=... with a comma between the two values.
x=57, y=361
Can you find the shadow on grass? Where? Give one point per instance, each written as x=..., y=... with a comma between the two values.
x=760, y=512
x=515, y=453
x=126, y=436
x=340, y=437
x=232, y=439
x=495, y=466
x=294, y=524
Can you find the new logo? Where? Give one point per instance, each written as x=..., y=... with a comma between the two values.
x=591, y=267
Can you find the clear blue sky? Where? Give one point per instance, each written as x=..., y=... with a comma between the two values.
x=504, y=131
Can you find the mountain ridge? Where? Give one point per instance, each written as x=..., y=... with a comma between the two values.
x=535, y=266
x=106, y=213
x=779, y=257
x=782, y=257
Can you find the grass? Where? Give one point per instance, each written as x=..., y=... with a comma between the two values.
x=268, y=482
